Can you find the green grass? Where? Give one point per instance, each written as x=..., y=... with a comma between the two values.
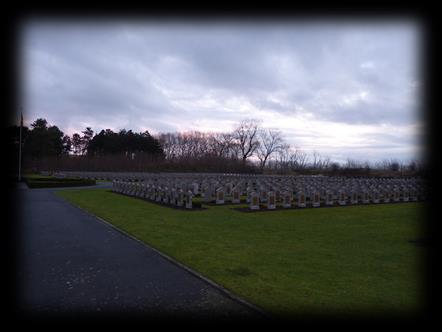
x=350, y=260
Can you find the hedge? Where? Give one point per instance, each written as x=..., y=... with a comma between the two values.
x=54, y=183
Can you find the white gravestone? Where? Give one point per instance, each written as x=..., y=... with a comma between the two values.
x=301, y=200
x=165, y=197
x=376, y=197
x=189, y=196
x=153, y=191
x=180, y=200
x=365, y=198
x=235, y=196
x=207, y=194
x=271, y=200
x=254, y=201
x=316, y=199
x=263, y=196
x=286, y=199
x=329, y=198
x=220, y=196
x=341, y=198
x=249, y=195
x=159, y=194
x=413, y=195
x=405, y=196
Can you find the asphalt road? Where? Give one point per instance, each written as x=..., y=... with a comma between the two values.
x=71, y=262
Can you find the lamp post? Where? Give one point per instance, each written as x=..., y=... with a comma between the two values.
x=19, y=150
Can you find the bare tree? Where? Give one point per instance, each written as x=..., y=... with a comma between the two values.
x=221, y=144
x=270, y=141
x=298, y=159
x=246, y=137
x=320, y=162
x=354, y=164
x=316, y=159
x=169, y=143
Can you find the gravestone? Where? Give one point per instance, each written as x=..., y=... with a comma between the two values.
x=189, y=196
x=153, y=192
x=132, y=189
x=278, y=195
x=228, y=189
x=249, y=195
x=263, y=196
x=180, y=200
x=271, y=200
x=159, y=195
x=206, y=194
x=342, y=198
x=174, y=197
x=235, y=196
x=329, y=198
x=375, y=197
x=396, y=197
x=316, y=199
x=386, y=196
x=286, y=199
x=301, y=200
x=146, y=191
x=166, y=197
x=254, y=201
x=405, y=195
x=365, y=198
x=220, y=196
x=141, y=190
x=195, y=188
x=354, y=197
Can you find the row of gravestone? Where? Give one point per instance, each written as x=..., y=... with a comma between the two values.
x=170, y=196
x=222, y=188
x=295, y=182
x=181, y=198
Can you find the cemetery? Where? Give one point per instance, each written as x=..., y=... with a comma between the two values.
x=356, y=257
x=279, y=164
x=189, y=191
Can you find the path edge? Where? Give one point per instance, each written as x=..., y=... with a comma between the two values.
x=174, y=261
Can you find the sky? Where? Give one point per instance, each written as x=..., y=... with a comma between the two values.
x=344, y=89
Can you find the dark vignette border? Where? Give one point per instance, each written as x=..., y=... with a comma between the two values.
x=16, y=17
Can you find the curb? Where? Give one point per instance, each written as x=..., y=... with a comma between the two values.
x=177, y=263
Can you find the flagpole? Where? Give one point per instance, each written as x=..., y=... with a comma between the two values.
x=19, y=150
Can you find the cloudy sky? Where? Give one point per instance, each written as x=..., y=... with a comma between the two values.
x=343, y=89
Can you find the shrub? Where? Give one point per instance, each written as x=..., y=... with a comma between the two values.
x=55, y=183
x=196, y=205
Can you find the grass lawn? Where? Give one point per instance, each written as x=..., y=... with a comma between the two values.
x=350, y=260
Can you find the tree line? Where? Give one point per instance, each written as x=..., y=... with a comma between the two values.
x=44, y=140
x=249, y=147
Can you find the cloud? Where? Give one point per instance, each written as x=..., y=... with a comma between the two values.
x=174, y=76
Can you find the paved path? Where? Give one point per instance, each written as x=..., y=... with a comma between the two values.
x=72, y=262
